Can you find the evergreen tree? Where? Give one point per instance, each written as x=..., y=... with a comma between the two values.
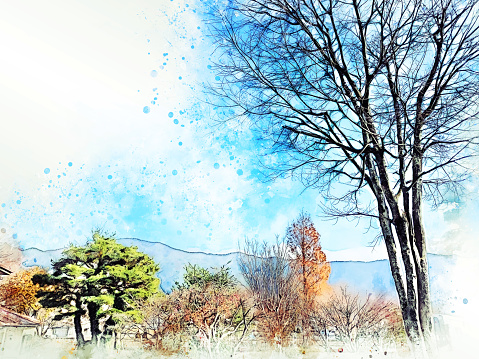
x=104, y=277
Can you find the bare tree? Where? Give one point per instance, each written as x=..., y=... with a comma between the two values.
x=274, y=286
x=376, y=97
x=355, y=321
x=46, y=318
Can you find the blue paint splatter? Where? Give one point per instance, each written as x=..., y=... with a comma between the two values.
x=216, y=166
x=110, y=176
x=46, y=171
x=465, y=301
x=15, y=236
x=3, y=205
x=170, y=114
x=175, y=121
x=154, y=73
x=70, y=164
x=239, y=172
x=267, y=200
x=175, y=172
x=146, y=109
x=180, y=143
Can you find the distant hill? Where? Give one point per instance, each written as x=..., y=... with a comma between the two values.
x=363, y=276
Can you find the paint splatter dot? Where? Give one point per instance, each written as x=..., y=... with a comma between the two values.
x=70, y=164
x=15, y=236
x=154, y=73
x=216, y=166
x=46, y=171
x=175, y=172
x=110, y=176
x=3, y=205
x=239, y=172
x=146, y=109
x=267, y=200
x=180, y=143
x=465, y=301
x=170, y=114
x=175, y=121
x=18, y=201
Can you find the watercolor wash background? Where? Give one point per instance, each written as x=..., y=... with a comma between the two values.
x=103, y=123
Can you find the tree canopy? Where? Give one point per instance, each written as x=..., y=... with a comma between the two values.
x=18, y=292
x=103, y=278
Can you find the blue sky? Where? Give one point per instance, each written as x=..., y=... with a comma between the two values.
x=104, y=124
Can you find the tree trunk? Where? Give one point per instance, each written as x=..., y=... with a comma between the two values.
x=420, y=243
x=407, y=284
x=78, y=329
x=407, y=298
x=94, y=322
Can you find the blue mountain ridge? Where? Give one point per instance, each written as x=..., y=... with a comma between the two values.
x=364, y=277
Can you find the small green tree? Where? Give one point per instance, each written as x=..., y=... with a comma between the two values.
x=104, y=277
x=196, y=276
x=212, y=305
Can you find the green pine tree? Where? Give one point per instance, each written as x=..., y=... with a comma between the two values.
x=105, y=277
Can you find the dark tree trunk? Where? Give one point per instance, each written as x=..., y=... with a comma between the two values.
x=421, y=256
x=94, y=322
x=78, y=329
x=396, y=227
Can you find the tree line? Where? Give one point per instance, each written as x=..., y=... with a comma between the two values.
x=285, y=299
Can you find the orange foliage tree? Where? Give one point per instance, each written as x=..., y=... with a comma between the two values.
x=308, y=262
x=212, y=305
x=208, y=308
x=18, y=292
